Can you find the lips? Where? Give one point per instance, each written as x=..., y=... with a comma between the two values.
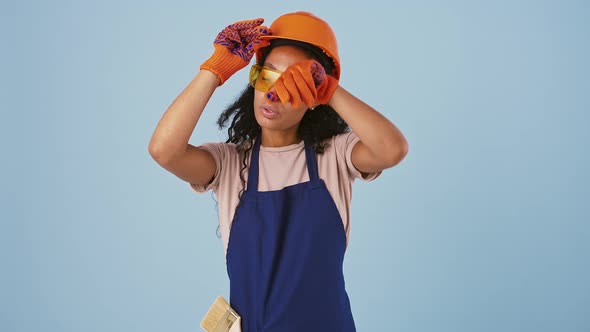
x=269, y=112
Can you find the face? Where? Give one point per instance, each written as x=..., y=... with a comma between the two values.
x=278, y=116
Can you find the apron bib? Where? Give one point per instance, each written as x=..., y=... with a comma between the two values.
x=285, y=255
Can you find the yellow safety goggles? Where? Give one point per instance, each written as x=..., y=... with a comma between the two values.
x=263, y=78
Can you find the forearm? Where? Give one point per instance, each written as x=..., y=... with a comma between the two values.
x=380, y=135
x=176, y=126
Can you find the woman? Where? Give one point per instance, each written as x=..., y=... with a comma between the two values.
x=284, y=176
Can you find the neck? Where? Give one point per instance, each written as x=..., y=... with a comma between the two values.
x=277, y=138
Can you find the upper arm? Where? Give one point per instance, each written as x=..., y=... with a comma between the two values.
x=195, y=165
x=367, y=162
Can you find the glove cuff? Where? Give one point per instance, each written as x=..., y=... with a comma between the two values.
x=326, y=90
x=223, y=63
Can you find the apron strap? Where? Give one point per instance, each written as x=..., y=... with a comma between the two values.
x=253, y=171
x=312, y=166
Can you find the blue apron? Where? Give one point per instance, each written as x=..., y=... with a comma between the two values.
x=285, y=255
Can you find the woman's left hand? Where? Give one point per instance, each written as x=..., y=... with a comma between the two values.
x=305, y=82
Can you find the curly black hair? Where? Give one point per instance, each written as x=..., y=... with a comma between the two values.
x=317, y=125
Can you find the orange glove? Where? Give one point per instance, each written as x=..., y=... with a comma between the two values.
x=234, y=47
x=305, y=82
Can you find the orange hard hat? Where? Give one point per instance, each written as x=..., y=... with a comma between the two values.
x=308, y=28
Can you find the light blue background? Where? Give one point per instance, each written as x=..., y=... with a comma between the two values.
x=484, y=226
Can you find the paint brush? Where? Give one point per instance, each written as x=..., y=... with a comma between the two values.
x=221, y=318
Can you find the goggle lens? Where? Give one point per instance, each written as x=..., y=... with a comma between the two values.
x=263, y=78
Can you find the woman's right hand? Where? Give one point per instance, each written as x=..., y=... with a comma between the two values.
x=234, y=47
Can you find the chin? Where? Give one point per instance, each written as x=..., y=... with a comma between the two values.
x=274, y=124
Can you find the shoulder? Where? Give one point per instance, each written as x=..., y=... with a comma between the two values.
x=342, y=146
x=227, y=161
x=342, y=142
x=220, y=149
x=336, y=148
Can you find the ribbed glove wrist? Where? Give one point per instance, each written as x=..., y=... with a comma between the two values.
x=223, y=63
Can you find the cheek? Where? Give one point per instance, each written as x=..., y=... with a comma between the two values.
x=258, y=98
x=298, y=112
x=295, y=114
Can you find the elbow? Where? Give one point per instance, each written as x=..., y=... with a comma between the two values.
x=159, y=153
x=155, y=152
x=396, y=155
x=405, y=149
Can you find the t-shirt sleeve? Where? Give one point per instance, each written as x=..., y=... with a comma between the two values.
x=218, y=152
x=345, y=143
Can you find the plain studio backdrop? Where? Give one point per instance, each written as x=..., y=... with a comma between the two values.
x=484, y=226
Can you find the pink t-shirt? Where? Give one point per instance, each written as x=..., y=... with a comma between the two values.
x=280, y=167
